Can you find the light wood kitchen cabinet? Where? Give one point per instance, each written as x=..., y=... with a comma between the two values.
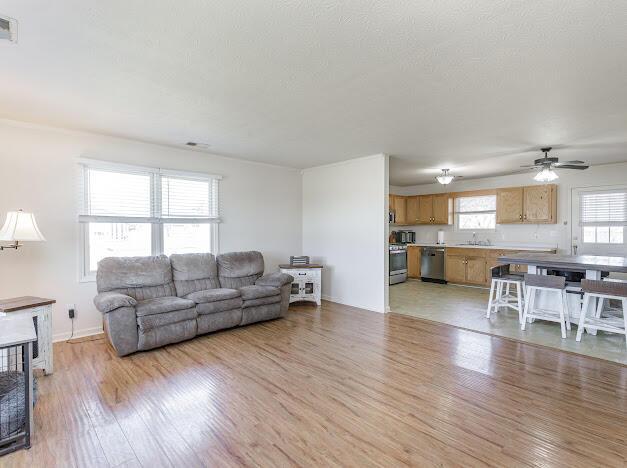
x=412, y=210
x=535, y=204
x=466, y=266
x=400, y=208
x=425, y=209
x=509, y=205
x=455, y=268
x=413, y=261
x=540, y=204
x=434, y=209
x=398, y=205
x=475, y=270
x=441, y=209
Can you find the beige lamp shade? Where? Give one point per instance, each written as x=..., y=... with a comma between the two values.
x=20, y=227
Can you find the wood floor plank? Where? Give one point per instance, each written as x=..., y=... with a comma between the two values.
x=330, y=386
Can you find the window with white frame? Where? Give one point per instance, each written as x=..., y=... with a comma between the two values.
x=603, y=216
x=129, y=211
x=475, y=213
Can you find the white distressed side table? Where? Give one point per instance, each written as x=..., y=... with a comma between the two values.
x=40, y=310
x=307, y=285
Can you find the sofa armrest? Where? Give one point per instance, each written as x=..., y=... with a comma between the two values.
x=109, y=301
x=276, y=279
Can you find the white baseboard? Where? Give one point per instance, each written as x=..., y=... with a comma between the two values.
x=77, y=334
x=359, y=306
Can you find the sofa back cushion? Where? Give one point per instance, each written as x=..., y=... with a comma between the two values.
x=194, y=272
x=237, y=269
x=139, y=277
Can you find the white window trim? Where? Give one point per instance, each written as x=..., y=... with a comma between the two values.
x=88, y=276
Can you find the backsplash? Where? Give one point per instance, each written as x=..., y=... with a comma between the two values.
x=530, y=235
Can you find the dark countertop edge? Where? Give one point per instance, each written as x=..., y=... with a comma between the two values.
x=563, y=264
x=310, y=266
x=20, y=303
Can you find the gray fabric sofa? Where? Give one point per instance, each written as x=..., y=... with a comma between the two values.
x=149, y=302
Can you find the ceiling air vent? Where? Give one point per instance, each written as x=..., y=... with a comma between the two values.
x=8, y=29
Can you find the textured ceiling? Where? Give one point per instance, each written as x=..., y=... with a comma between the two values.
x=467, y=84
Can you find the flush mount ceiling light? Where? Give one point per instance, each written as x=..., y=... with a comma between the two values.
x=8, y=29
x=546, y=166
x=445, y=178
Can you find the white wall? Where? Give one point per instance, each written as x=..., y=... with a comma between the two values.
x=261, y=206
x=553, y=235
x=345, y=229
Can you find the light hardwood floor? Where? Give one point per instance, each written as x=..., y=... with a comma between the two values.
x=330, y=386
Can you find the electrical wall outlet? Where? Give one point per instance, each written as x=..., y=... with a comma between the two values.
x=71, y=311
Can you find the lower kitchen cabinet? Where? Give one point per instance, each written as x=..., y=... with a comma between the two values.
x=413, y=261
x=455, y=269
x=475, y=270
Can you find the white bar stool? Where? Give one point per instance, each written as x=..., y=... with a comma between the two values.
x=549, y=284
x=501, y=278
x=601, y=290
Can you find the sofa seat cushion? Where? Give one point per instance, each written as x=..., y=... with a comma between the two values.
x=213, y=295
x=160, y=305
x=219, y=306
x=150, y=322
x=257, y=292
x=261, y=301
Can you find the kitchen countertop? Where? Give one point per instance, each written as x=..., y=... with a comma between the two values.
x=491, y=247
x=569, y=262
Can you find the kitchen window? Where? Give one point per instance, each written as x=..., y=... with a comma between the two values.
x=476, y=213
x=603, y=216
x=136, y=211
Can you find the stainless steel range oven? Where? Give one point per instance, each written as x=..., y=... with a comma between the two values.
x=398, y=263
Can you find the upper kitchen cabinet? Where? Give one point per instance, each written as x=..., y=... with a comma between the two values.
x=442, y=209
x=535, y=204
x=398, y=205
x=540, y=204
x=425, y=209
x=435, y=209
x=509, y=205
x=412, y=210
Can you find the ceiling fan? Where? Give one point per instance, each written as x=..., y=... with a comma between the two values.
x=546, y=166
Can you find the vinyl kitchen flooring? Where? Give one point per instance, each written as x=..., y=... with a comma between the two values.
x=465, y=307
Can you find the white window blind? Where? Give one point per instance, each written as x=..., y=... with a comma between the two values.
x=118, y=193
x=603, y=208
x=189, y=198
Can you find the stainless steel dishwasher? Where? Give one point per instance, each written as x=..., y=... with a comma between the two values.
x=432, y=265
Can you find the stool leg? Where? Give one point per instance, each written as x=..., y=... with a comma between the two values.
x=582, y=317
x=487, y=315
x=562, y=315
x=566, y=310
x=599, y=310
x=526, y=312
x=520, y=301
x=532, y=303
x=499, y=296
x=507, y=289
x=624, y=301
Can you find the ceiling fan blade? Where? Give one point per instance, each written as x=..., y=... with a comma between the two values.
x=571, y=166
x=532, y=165
x=569, y=162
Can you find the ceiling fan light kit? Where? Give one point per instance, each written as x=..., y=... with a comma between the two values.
x=546, y=175
x=546, y=166
x=445, y=178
